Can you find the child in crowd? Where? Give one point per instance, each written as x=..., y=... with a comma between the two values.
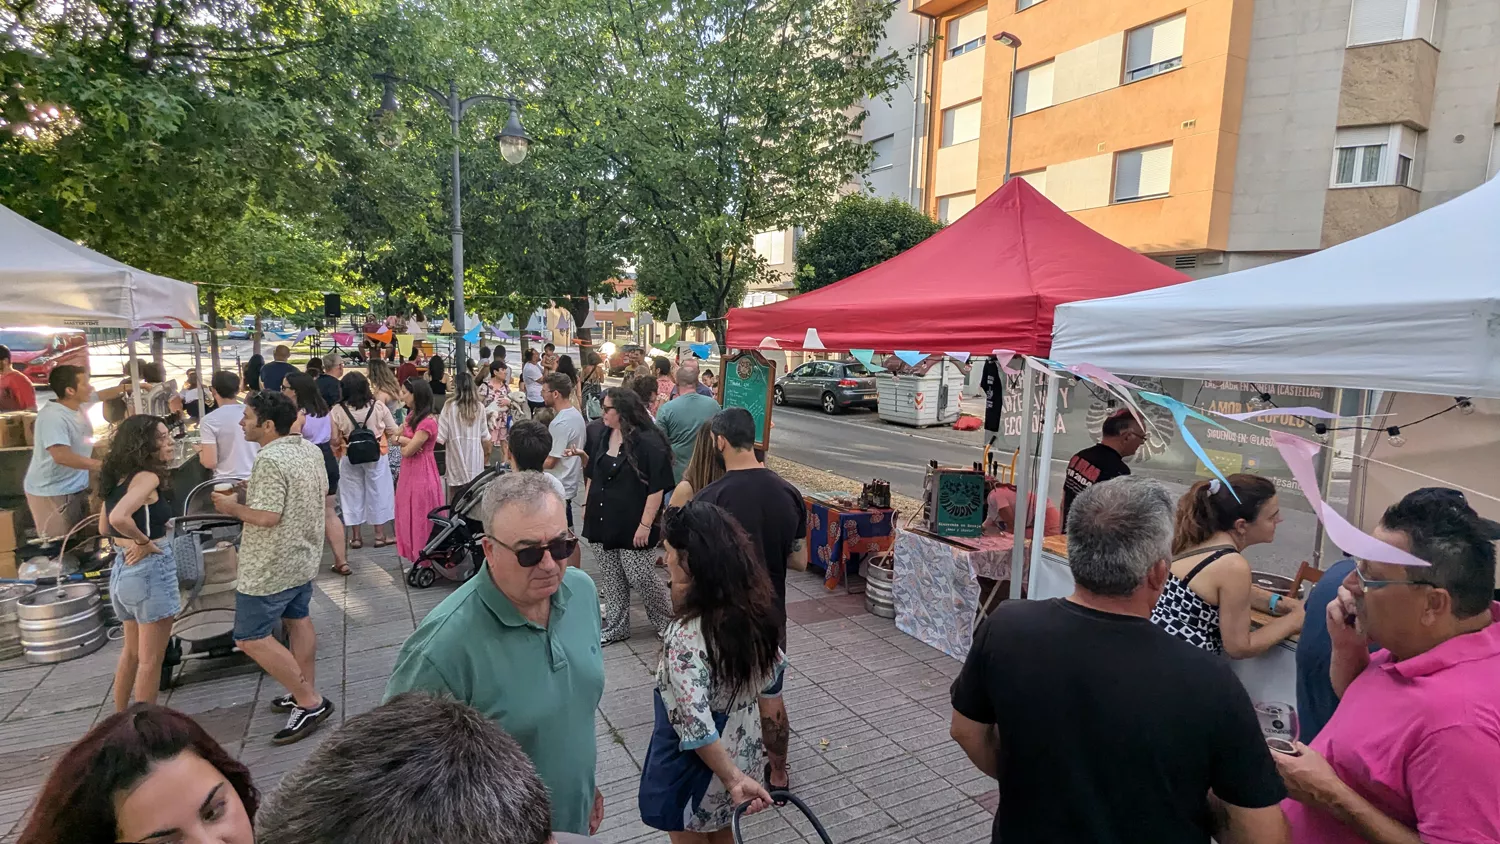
x=529, y=444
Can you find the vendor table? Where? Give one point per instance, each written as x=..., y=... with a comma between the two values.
x=937, y=585
x=838, y=538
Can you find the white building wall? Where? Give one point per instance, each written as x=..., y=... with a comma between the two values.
x=899, y=115
x=1464, y=102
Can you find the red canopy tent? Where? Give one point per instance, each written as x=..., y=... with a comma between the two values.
x=989, y=281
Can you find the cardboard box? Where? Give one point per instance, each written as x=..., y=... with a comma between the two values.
x=8, y=564
x=12, y=430
x=29, y=423
x=12, y=527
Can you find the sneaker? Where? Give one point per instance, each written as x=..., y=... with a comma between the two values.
x=302, y=722
x=283, y=703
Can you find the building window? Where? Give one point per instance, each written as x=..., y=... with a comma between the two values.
x=885, y=153
x=1154, y=48
x=1037, y=179
x=1378, y=21
x=960, y=124
x=965, y=34
x=1033, y=88
x=1363, y=157
x=1143, y=173
x=771, y=246
x=953, y=206
x=1026, y=4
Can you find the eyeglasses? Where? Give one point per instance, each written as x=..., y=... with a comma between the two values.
x=560, y=548
x=1371, y=585
x=607, y=407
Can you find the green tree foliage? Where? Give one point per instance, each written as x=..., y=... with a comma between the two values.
x=862, y=231
x=722, y=118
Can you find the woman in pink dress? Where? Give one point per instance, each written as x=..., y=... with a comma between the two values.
x=419, y=488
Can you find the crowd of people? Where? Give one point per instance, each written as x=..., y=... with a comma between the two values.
x=1111, y=715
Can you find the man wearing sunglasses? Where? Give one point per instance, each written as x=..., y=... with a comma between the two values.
x=520, y=643
x=1413, y=750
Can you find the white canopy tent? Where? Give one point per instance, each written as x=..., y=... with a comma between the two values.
x=1414, y=307
x=48, y=279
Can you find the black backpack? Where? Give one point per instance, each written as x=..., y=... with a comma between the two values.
x=363, y=446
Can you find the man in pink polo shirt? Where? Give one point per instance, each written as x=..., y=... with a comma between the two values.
x=1412, y=754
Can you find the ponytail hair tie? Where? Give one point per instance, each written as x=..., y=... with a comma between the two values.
x=1214, y=486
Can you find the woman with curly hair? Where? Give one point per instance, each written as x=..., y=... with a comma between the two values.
x=718, y=654
x=145, y=774
x=143, y=580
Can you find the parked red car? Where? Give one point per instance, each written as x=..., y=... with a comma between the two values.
x=35, y=351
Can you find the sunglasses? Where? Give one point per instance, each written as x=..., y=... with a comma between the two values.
x=560, y=548
x=1371, y=585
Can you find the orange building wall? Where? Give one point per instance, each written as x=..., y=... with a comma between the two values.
x=1197, y=107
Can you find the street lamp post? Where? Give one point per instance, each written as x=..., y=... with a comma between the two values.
x=514, y=143
x=1014, y=44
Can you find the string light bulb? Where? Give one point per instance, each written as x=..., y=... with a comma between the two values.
x=1261, y=401
x=1465, y=406
x=1320, y=430
x=1393, y=436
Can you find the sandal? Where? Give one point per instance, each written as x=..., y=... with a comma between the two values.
x=341, y=569
x=356, y=544
x=773, y=789
x=384, y=543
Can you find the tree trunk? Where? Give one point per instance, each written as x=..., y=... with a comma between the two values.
x=213, y=333
x=579, y=310
x=255, y=336
x=158, y=349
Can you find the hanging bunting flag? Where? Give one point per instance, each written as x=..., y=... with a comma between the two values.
x=589, y=321
x=1298, y=454
x=303, y=335
x=703, y=317
x=911, y=358
x=384, y=335
x=812, y=340
x=1115, y=385
x=506, y=324
x=138, y=333
x=1180, y=412
x=564, y=324
x=537, y=322
x=864, y=356
x=343, y=338
x=404, y=343
x=961, y=357
x=1002, y=357
x=701, y=350
x=447, y=327
x=673, y=315
x=769, y=342
x=472, y=335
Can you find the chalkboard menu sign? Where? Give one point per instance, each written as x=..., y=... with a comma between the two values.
x=747, y=381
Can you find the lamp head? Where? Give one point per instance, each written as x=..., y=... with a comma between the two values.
x=386, y=120
x=514, y=142
x=1008, y=39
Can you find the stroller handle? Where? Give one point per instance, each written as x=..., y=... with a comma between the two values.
x=781, y=795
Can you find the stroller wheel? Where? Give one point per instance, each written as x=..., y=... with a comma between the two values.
x=423, y=577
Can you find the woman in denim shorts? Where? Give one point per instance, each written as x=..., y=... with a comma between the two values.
x=143, y=581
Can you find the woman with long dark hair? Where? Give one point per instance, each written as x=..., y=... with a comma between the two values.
x=420, y=487
x=145, y=774
x=134, y=486
x=436, y=370
x=252, y=374
x=367, y=494
x=718, y=654
x=316, y=426
x=1208, y=597
x=566, y=367
x=464, y=431
x=629, y=473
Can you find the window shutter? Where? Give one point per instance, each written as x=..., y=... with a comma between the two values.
x=952, y=207
x=1363, y=136
x=961, y=124
x=1127, y=175
x=884, y=150
x=1167, y=38
x=1037, y=179
x=1033, y=88
x=1372, y=21
x=965, y=29
x=1138, y=50
x=1156, y=171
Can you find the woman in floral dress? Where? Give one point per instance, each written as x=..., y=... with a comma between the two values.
x=719, y=652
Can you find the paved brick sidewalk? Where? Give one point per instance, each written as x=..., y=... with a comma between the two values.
x=868, y=705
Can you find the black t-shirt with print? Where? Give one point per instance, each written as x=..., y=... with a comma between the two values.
x=1094, y=465
x=1111, y=730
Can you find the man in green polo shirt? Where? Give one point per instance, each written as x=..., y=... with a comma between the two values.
x=520, y=643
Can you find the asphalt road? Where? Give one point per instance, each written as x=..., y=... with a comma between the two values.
x=858, y=445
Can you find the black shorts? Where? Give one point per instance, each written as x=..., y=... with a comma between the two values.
x=330, y=463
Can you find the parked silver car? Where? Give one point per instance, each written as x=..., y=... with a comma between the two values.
x=833, y=385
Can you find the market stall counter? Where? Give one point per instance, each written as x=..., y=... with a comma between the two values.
x=841, y=534
x=937, y=587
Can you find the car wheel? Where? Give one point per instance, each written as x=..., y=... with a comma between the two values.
x=830, y=403
x=779, y=397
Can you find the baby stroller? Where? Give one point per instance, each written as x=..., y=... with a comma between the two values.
x=454, y=547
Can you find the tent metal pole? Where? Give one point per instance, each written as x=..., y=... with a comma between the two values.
x=1023, y=482
x=135, y=375
x=1044, y=470
x=198, y=368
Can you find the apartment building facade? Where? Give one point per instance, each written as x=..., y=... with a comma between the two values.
x=1215, y=134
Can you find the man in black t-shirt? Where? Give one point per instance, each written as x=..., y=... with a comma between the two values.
x=1100, y=726
x=1121, y=437
x=773, y=515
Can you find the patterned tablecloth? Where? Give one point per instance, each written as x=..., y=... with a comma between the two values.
x=836, y=537
x=937, y=586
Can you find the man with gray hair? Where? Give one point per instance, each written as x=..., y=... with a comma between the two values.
x=328, y=382
x=520, y=643
x=1100, y=726
x=417, y=768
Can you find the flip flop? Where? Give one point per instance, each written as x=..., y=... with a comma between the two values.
x=341, y=569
